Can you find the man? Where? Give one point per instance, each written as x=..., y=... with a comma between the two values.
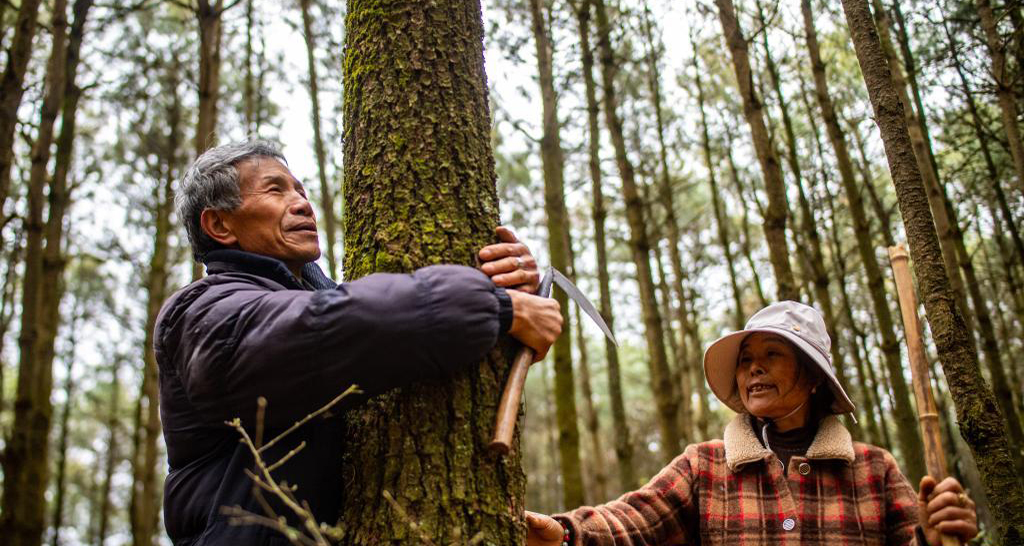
x=266, y=322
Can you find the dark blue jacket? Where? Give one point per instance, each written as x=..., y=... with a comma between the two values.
x=251, y=329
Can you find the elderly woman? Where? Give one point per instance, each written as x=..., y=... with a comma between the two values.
x=787, y=471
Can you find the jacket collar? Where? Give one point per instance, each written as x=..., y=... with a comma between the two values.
x=742, y=447
x=231, y=260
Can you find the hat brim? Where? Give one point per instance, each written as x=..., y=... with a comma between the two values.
x=720, y=360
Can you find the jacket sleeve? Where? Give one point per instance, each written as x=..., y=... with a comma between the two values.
x=657, y=513
x=901, y=510
x=299, y=349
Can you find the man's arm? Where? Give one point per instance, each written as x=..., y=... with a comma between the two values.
x=300, y=349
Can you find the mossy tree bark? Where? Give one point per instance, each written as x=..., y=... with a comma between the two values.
x=753, y=110
x=623, y=441
x=419, y=190
x=661, y=377
x=977, y=411
x=908, y=435
x=326, y=191
x=553, y=161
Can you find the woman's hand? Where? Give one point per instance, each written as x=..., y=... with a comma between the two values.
x=945, y=509
x=542, y=530
x=509, y=263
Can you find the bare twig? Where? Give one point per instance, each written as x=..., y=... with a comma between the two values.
x=354, y=389
x=405, y=517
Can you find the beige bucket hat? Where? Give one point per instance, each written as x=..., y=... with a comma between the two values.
x=800, y=324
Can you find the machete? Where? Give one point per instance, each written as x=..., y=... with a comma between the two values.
x=508, y=408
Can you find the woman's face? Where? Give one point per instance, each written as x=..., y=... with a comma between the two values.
x=771, y=382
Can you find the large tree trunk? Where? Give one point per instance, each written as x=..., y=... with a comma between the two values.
x=326, y=192
x=145, y=497
x=12, y=88
x=420, y=189
x=623, y=441
x=1004, y=88
x=909, y=437
x=26, y=457
x=661, y=377
x=753, y=110
x=977, y=411
x=558, y=249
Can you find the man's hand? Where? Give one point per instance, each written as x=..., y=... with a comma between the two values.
x=945, y=509
x=542, y=530
x=536, y=321
x=509, y=263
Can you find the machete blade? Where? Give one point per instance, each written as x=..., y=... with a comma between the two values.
x=574, y=293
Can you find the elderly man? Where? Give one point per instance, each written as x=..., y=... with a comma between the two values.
x=267, y=322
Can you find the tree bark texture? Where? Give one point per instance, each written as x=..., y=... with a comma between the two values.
x=623, y=441
x=908, y=434
x=775, y=188
x=326, y=191
x=12, y=88
x=661, y=377
x=977, y=412
x=419, y=190
x=553, y=161
x=26, y=456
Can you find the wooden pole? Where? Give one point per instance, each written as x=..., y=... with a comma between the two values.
x=928, y=413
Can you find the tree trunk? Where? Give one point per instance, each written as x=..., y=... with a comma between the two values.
x=753, y=110
x=745, y=249
x=209, y=18
x=111, y=456
x=721, y=223
x=909, y=437
x=623, y=441
x=60, y=481
x=145, y=496
x=326, y=192
x=26, y=456
x=661, y=377
x=420, y=189
x=1004, y=88
x=599, y=489
x=249, y=89
x=12, y=88
x=945, y=224
x=977, y=411
x=882, y=212
x=558, y=250
x=811, y=245
x=983, y=144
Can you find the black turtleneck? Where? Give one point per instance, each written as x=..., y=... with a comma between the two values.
x=786, y=444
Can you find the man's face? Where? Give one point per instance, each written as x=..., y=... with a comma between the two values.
x=275, y=218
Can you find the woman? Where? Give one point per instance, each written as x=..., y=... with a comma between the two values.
x=787, y=471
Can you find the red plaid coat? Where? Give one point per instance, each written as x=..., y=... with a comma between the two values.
x=733, y=492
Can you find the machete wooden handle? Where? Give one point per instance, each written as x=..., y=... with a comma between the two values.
x=508, y=408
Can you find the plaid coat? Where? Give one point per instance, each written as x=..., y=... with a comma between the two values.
x=733, y=492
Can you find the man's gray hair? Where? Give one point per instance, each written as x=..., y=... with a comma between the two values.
x=211, y=182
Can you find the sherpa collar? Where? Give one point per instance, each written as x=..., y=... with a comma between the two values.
x=832, y=441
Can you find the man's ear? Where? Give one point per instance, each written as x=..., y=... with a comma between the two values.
x=213, y=223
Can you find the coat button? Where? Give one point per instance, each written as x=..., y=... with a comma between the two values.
x=804, y=469
x=788, y=524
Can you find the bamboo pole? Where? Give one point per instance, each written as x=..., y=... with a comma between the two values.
x=927, y=411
